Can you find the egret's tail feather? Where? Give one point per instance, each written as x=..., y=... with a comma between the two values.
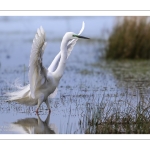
x=21, y=96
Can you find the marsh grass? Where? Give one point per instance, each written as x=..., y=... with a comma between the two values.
x=120, y=117
x=130, y=38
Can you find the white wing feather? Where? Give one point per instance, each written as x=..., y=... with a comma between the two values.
x=37, y=73
x=72, y=43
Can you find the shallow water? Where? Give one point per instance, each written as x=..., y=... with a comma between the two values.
x=86, y=83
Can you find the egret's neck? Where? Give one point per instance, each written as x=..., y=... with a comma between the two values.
x=64, y=43
x=62, y=63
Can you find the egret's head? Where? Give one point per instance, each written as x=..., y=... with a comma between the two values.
x=71, y=35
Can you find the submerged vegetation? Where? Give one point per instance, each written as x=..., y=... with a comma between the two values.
x=130, y=38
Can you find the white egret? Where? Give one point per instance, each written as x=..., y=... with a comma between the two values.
x=43, y=82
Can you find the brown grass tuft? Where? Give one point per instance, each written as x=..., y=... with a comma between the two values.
x=130, y=38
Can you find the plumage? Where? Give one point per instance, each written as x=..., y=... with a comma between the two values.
x=43, y=82
x=37, y=72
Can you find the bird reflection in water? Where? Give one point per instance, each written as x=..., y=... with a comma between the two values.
x=35, y=126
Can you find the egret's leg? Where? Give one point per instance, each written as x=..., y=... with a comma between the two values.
x=40, y=122
x=39, y=104
x=47, y=119
x=48, y=106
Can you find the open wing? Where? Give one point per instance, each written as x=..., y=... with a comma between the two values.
x=37, y=72
x=72, y=43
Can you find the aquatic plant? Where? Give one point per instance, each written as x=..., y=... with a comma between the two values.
x=129, y=38
x=121, y=117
